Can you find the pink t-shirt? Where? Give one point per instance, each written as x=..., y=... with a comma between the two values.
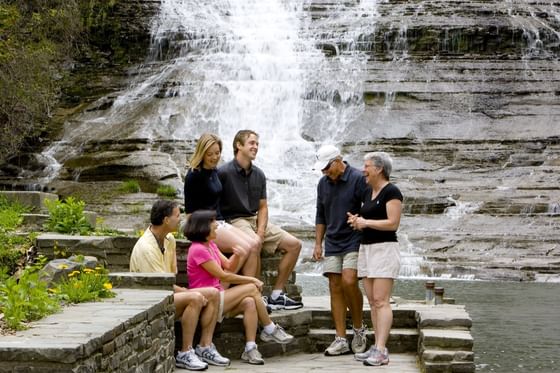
x=199, y=254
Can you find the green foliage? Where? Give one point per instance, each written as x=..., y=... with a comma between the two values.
x=130, y=186
x=85, y=286
x=36, y=37
x=28, y=298
x=166, y=191
x=67, y=217
x=12, y=246
x=25, y=299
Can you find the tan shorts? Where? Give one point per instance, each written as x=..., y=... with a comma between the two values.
x=272, y=236
x=379, y=260
x=336, y=263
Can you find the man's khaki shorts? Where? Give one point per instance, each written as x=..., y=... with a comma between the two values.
x=336, y=263
x=272, y=237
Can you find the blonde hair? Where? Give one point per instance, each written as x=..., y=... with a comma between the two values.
x=204, y=143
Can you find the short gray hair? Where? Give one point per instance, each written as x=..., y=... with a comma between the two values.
x=381, y=160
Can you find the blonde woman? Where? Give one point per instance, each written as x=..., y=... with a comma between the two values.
x=202, y=192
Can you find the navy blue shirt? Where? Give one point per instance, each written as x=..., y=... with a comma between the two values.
x=242, y=191
x=334, y=200
x=202, y=190
x=376, y=209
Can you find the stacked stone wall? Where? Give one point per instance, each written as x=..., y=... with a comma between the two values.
x=132, y=332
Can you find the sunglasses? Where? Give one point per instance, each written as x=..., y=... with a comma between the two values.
x=329, y=164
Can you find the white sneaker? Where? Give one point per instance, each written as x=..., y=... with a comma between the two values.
x=359, y=341
x=211, y=356
x=253, y=356
x=189, y=360
x=338, y=347
x=278, y=335
x=365, y=355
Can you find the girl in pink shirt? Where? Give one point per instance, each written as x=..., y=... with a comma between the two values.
x=207, y=266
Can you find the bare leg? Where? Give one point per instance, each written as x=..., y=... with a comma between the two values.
x=353, y=296
x=384, y=314
x=241, y=299
x=188, y=305
x=209, y=315
x=291, y=248
x=245, y=237
x=368, y=287
x=338, y=304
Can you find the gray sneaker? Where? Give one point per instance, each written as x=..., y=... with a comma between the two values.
x=253, y=356
x=359, y=341
x=338, y=347
x=378, y=358
x=189, y=360
x=211, y=356
x=278, y=335
x=365, y=355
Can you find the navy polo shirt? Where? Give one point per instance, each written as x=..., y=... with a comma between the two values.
x=334, y=200
x=241, y=191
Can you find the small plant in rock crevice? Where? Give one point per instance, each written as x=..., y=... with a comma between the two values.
x=130, y=186
x=85, y=285
x=166, y=191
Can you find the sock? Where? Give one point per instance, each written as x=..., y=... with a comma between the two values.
x=250, y=345
x=275, y=293
x=268, y=329
x=203, y=348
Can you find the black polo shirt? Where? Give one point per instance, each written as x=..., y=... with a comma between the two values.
x=334, y=200
x=241, y=191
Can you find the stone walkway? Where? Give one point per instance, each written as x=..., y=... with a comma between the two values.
x=300, y=363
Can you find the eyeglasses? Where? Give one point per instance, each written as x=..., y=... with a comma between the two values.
x=329, y=164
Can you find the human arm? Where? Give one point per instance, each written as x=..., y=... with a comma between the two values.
x=392, y=222
x=262, y=219
x=214, y=269
x=320, y=230
x=231, y=263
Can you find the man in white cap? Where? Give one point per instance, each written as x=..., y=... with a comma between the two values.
x=340, y=190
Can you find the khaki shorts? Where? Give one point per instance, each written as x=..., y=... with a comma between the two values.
x=336, y=263
x=379, y=260
x=272, y=236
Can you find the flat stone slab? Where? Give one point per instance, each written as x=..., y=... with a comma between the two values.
x=446, y=338
x=35, y=200
x=443, y=316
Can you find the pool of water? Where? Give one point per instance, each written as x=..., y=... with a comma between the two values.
x=516, y=325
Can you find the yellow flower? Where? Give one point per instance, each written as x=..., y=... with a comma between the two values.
x=108, y=285
x=73, y=273
x=88, y=270
x=52, y=290
x=62, y=266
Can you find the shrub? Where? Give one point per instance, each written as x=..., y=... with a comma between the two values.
x=67, y=217
x=25, y=299
x=166, y=191
x=12, y=247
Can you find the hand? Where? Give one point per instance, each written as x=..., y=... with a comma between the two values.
x=318, y=252
x=356, y=221
x=258, y=283
x=238, y=250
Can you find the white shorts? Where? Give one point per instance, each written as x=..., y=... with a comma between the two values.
x=379, y=260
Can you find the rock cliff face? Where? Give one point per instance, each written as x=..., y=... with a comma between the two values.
x=464, y=94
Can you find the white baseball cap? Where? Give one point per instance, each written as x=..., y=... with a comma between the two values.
x=324, y=155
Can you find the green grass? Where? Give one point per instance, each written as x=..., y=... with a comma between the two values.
x=130, y=186
x=166, y=191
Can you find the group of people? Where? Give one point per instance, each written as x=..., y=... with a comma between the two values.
x=357, y=217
